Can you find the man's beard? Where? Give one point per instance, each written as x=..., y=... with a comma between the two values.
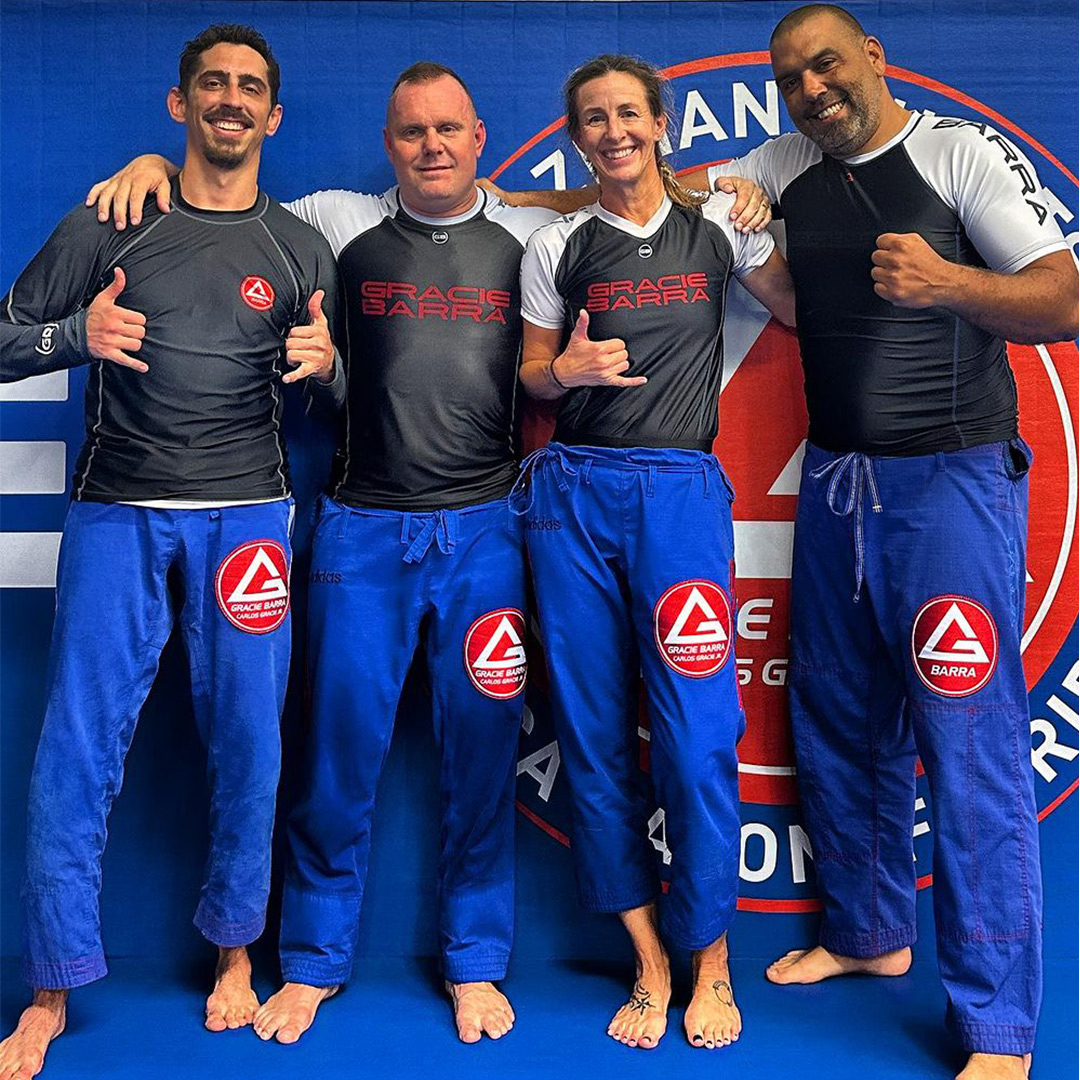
x=222, y=157
x=849, y=137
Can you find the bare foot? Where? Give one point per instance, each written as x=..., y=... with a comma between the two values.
x=480, y=1008
x=22, y=1053
x=712, y=1018
x=642, y=1021
x=813, y=965
x=233, y=1003
x=996, y=1067
x=290, y=1012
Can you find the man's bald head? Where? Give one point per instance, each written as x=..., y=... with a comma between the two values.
x=794, y=19
x=428, y=72
x=831, y=74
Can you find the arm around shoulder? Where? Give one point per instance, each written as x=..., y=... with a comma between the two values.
x=771, y=285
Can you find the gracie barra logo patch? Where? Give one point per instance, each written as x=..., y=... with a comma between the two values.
x=257, y=293
x=692, y=627
x=252, y=586
x=954, y=645
x=495, y=653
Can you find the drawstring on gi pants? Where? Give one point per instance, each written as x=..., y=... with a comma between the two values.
x=858, y=470
x=440, y=526
x=521, y=494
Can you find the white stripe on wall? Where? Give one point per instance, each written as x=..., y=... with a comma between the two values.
x=763, y=549
x=32, y=468
x=28, y=560
x=51, y=387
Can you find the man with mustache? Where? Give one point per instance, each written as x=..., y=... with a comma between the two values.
x=917, y=243
x=189, y=323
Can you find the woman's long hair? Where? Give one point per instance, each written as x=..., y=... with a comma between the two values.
x=656, y=90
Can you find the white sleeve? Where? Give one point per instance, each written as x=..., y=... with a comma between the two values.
x=772, y=165
x=993, y=188
x=541, y=302
x=751, y=250
x=521, y=221
x=340, y=215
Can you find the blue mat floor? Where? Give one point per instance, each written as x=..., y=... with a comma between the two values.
x=392, y=1022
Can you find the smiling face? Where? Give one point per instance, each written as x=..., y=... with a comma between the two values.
x=616, y=130
x=832, y=81
x=226, y=106
x=434, y=139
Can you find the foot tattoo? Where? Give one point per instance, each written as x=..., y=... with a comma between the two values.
x=642, y=1021
x=712, y=1019
x=639, y=999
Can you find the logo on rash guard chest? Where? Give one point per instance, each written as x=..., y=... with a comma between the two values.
x=954, y=645
x=664, y=290
x=257, y=293
x=252, y=586
x=411, y=301
x=495, y=653
x=692, y=627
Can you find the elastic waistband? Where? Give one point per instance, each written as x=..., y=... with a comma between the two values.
x=990, y=449
x=569, y=438
x=328, y=502
x=664, y=459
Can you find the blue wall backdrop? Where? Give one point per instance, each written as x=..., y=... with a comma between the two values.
x=83, y=89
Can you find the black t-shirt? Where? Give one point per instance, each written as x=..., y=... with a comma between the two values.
x=220, y=292
x=434, y=340
x=661, y=288
x=882, y=379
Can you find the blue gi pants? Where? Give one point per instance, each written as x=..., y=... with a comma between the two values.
x=927, y=661
x=377, y=577
x=114, y=614
x=632, y=555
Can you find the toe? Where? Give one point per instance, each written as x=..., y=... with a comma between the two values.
x=288, y=1034
x=215, y=1022
x=469, y=1033
x=265, y=1030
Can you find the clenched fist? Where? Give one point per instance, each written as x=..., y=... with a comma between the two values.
x=908, y=272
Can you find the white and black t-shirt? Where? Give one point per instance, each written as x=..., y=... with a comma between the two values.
x=882, y=379
x=660, y=287
x=433, y=340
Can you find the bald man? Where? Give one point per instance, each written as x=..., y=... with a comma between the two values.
x=918, y=244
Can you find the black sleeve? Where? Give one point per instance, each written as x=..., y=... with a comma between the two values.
x=330, y=396
x=43, y=319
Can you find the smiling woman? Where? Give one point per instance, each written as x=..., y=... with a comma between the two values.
x=633, y=93
x=643, y=566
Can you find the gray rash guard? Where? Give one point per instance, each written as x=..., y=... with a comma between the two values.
x=660, y=287
x=434, y=338
x=220, y=292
